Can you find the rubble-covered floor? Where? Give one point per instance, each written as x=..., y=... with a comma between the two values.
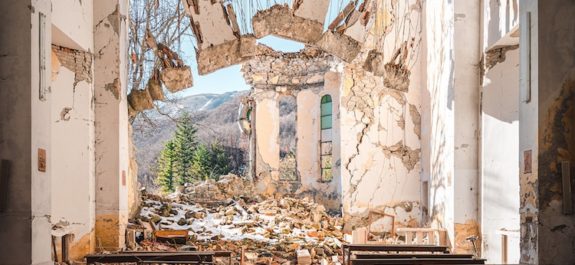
x=226, y=215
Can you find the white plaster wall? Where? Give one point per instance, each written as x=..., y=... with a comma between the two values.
x=440, y=70
x=380, y=148
x=500, y=146
x=528, y=131
x=72, y=24
x=73, y=151
x=267, y=132
x=112, y=146
x=500, y=18
x=308, y=143
x=466, y=121
x=40, y=181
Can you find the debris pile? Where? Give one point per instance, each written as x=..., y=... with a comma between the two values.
x=264, y=230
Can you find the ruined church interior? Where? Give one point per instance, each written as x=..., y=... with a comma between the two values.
x=399, y=132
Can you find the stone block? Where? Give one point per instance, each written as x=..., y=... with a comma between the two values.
x=341, y=46
x=280, y=21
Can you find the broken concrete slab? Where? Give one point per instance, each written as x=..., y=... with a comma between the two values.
x=341, y=46
x=140, y=100
x=210, y=22
x=154, y=86
x=311, y=9
x=177, y=78
x=229, y=53
x=279, y=20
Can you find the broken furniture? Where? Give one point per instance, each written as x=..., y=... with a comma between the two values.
x=403, y=254
x=429, y=236
x=187, y=257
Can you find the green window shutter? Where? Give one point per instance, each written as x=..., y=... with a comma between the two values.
x=326, y=112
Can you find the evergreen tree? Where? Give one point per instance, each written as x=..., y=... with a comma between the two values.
x=185, y=143
x=201, y=163
x=166, y=168
x=219, y=160
x=210, y=162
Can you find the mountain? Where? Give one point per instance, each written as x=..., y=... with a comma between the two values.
x=215, y=116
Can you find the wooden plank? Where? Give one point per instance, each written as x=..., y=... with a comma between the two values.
x=409, y=238
x=396, y=248
x=410, y=255
x=415, y=261
x=431, y=237
x=165, y=257
x=419, y=237
x=503, y=249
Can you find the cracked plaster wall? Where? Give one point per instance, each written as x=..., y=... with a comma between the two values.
x=380, y=125
x=307, y=77
x=72, y=132
x=111, y=123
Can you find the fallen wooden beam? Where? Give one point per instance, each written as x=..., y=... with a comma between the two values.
x=188, y=257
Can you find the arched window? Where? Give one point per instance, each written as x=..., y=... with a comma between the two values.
x=326, y=142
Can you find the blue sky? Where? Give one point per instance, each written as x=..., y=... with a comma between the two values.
x=230, y=78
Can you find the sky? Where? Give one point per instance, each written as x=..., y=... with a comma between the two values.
x=230, y=78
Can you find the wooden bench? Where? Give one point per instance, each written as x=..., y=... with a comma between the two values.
x=370, y=254
x=348, y=249
x=414, y=258
x=184, y=257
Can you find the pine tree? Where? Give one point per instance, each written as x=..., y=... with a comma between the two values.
x=166, y=168
x=210, y=162
x=185, y=143
x=219, y=160
x=201, y=163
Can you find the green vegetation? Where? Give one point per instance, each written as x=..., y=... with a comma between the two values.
x=184, y=160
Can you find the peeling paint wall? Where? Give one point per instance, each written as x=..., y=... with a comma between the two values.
x=111, y=123
x=73, y=142
x=555, y=135
x=380, y=119
x=528, y=133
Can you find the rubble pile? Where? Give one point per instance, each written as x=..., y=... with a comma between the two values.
x=265, y=230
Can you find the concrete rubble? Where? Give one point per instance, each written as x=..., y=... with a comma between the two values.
x=265, y=230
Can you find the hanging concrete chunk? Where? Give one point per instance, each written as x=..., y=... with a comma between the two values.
x=375, y=63
x=279, y=20
x=155, y=88
x=228, y=54
x=212, y=22
x=140, y=100
x=177, y=78
x=315, y=10
x=339, y=45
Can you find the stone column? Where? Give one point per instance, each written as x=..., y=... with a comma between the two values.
x=112, y=148
x=466, y=119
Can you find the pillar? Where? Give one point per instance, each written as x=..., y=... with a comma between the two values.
x=111, y=126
